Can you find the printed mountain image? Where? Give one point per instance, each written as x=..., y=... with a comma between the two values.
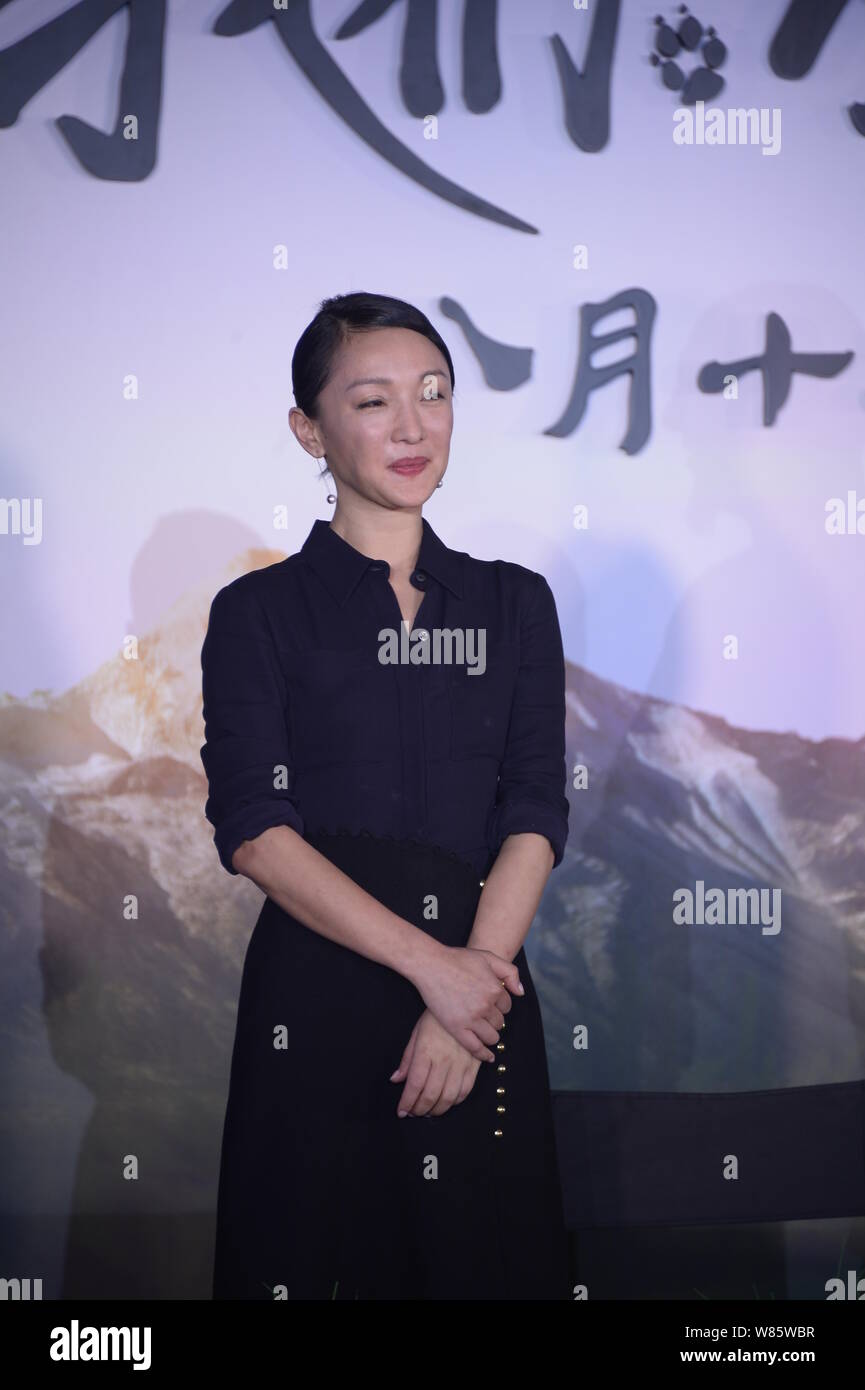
x=118, y=1023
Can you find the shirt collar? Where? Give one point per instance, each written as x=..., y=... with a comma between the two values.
x=340, y=566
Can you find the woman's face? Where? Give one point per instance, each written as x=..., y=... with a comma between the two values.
x=388, y=401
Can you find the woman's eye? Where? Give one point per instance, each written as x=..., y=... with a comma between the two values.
x=364, y=404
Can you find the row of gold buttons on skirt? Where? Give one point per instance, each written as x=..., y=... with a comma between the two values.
x=501, y=1068
x=500, y=1090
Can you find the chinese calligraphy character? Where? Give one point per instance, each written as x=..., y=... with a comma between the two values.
x=776, y=364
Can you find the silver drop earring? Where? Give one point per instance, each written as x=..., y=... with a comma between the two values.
x=331, y=497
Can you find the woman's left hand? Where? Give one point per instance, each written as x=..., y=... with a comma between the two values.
x=438, y=1071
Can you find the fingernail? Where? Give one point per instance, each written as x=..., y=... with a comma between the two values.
x=393, y=1074
x=402, y=1114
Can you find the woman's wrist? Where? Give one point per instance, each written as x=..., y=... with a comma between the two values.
x=418, y=953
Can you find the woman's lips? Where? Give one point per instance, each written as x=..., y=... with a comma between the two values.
x=408, y=467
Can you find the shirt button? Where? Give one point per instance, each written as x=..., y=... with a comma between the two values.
x=419, y=578
x=379, y=565
x=422, y=633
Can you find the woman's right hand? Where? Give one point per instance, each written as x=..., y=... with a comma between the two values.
x=462, y=986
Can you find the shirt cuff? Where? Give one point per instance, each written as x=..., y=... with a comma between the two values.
x=515, y=818
x=249, y=822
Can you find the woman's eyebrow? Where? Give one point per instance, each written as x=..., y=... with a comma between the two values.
x=387, y=381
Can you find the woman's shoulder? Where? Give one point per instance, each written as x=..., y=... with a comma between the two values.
x=266, y=578
x=254, y=589
x=500, y=576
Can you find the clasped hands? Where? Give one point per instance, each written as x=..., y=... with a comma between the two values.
x=466, y=993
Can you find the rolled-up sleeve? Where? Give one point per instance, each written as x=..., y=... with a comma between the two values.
x=533, y=775
x=247, y=753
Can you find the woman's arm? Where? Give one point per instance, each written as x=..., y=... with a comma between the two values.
x=462, y=988
x=437, y=1072
x=530, y=819
x=305, y=884
x=511, y=894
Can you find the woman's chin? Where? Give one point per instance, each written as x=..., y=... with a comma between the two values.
x=410, y=492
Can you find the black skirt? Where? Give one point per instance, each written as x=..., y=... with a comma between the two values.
x=324, y=1193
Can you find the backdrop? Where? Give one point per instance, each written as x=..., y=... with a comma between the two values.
x=640, y=234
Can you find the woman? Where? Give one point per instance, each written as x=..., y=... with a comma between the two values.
x=384, y=746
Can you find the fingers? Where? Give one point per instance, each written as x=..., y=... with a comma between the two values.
x=504, y=1003
x=449, y=1097
x=486, y=1032
x=496, y=1017
x=457, y=1085
x=423, y=1089
x=405, y=1061
x=442, y=1090
x=473, y=1044
x=507, y=973
x=418, y=1073
x=478, y=1039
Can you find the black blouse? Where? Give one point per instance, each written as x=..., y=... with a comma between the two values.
x=305, y=725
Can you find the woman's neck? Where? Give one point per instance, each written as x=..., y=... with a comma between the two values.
x=392, y=536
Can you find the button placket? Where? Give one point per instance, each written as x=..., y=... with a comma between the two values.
x=500, y=1090
x=501, y=1068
